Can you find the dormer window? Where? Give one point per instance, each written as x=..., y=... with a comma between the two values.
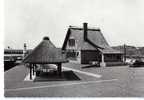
x=71, y=42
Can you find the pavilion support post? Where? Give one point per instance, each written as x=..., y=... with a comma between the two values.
x=33, y=69
x=59, y=68
x=30, y=71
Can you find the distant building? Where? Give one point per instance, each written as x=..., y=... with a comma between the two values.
x=14, y=54
x=12, y=57
x=85, y=45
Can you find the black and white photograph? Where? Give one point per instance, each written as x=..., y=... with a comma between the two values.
x=73, y=48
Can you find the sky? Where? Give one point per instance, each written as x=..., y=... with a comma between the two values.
x=28, y=21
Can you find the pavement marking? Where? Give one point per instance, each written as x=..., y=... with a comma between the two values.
x=27, y=78
x=83, y=72
x=60, y=85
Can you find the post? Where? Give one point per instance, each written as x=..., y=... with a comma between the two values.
x=59, y=69
x=33, y=69
x=102, y=64
x=124, y=53
x=30, y=71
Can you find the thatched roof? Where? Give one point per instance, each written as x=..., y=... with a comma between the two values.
x=45, y=53
x=95, y=37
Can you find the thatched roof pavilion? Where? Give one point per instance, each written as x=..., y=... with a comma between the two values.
x=46, y=53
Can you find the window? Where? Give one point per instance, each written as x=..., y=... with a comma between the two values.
x=72, y=54
x=71, y=42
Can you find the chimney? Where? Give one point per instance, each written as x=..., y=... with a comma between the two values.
x=85, y=31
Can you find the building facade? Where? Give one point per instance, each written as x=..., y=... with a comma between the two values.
x=87, y=45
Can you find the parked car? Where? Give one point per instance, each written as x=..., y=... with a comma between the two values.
x=46, y=68
x=95, y=63
x=137, y=63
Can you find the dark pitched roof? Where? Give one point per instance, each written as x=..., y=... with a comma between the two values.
x=95, y=37
x=45, y=52
x=78, y=32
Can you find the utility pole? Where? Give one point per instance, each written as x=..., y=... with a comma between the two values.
x=24, y=50
x=124, y=52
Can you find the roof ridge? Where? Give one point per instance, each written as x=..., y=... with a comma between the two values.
x=80, y=27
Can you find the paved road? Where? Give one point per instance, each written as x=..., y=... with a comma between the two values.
x=120, y=81
x=15, y=75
